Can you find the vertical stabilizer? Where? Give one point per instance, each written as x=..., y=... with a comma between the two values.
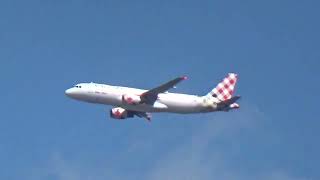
x=225, y=88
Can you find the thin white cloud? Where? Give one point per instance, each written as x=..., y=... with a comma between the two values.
x=200, y=157
x=197, y=159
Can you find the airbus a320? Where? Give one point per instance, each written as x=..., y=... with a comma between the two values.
x=131, y=102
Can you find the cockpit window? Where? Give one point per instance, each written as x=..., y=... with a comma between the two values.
x=77, y=86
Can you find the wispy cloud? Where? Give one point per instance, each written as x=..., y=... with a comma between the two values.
x=196, y=159
x=200, y=157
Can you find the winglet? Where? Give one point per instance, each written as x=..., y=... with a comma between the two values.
x=184, y=77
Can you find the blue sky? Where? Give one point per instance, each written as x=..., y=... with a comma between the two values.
x=48, y=46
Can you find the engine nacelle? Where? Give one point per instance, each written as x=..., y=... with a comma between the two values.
x=131, y=99
x=120, y=113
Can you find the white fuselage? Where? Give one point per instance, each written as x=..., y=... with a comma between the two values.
x=166, y=102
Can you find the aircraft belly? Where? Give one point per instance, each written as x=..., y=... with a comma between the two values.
x=114, y=100
x=183, y=106
x=174, y=104
x=183, y=109
x=144, y=108
x=107, y=99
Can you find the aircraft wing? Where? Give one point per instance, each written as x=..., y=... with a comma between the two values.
x=151, y=96
x=121, y=113
x=143, y=115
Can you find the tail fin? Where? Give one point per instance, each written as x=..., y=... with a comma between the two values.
x=225, y=89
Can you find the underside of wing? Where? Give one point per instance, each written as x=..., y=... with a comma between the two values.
x=143, y=115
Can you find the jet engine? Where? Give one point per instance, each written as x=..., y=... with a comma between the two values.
x=131, y=99
x=120, y=113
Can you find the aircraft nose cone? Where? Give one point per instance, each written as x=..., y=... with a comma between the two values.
x=68, y=92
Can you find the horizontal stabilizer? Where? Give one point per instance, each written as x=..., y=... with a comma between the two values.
x=229, y=104
x=230, y=101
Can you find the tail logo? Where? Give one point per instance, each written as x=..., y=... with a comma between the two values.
x=225, y=89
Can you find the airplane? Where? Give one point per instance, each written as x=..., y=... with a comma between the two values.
x=131, y=102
